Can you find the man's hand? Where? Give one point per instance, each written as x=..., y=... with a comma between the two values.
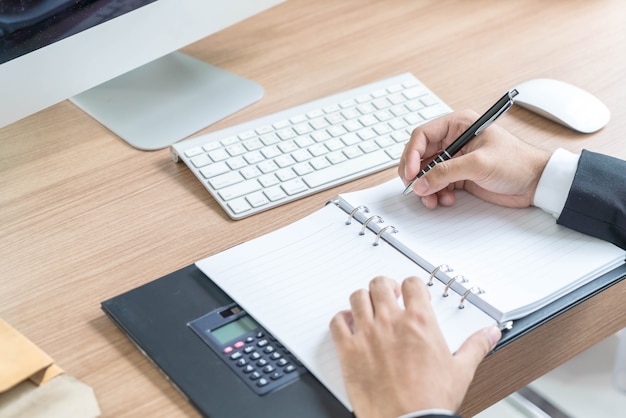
x=495, y=166
x=395, y=361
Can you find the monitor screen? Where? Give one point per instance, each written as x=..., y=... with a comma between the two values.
x=29, y=25
x=91, y=50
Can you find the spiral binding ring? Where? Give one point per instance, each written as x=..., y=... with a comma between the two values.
x=476, y=290
x=461, y=279
x=445, y=291
x=354, y=211
x=443, y=267
x=382, y=231
x=371, y=218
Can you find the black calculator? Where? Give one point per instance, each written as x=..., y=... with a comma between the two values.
x=248, y=349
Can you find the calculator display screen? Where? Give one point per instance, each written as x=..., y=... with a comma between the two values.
x=234, y=329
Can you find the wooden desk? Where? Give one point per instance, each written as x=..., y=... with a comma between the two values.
x=85, y=217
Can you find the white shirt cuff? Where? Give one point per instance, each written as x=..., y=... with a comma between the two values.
x=417, y=414
x=556, y=181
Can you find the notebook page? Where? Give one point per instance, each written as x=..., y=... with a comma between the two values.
x=293, y=281
x=520, y=257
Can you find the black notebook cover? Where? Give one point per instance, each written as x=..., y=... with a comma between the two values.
x=155, y=316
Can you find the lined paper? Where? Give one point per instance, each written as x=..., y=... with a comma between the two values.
x=521, y=258
x=293, y=280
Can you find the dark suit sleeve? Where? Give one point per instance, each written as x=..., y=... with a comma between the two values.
x=596, y=204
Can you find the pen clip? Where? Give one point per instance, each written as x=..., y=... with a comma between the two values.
x=511, y=93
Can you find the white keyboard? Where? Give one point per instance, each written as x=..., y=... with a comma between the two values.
x=267, y=162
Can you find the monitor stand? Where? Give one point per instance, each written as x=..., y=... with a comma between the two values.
x=167, y=100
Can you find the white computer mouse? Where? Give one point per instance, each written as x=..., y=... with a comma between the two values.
x=563, y=103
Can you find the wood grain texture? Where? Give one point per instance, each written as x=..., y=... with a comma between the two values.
x=85, y=217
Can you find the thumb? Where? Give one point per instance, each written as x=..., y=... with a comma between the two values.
x=444, y=174
x=476, y=347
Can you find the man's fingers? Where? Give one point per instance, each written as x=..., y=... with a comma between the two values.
x=476, y=347
x=415, y=294
x=384, y=293
x=446, y=173
x=341, y=326
x=430, y=139
x=362, y=309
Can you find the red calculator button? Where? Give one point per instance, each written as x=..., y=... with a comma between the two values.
x=228, y=350
x=238, y=344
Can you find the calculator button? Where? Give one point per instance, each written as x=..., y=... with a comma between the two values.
x=228, y=350
x=268, y=349
x=248, y=369
x=249, y=349
x=249, y=340
x=290, y=368
x=262, y=382
x=238, y=344
x=276, y=375
x=261, y=362
x=255, y=375
x=268, y=369
x=282, y=362
x=255, y=356
x=275, y=355
x=241, y=362
x=260, y=334
x=262, y=343
x=235, y=355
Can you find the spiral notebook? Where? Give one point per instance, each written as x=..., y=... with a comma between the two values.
x=484, y=264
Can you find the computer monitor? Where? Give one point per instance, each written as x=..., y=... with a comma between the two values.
x=117, y=60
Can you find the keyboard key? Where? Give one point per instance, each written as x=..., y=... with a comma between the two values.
x=267, y=167
x=285, y=175
x=254, y=157
x=302, y=169
x=275, y=193
x=319, y=163
x=268, y=180
x=214, y=170
x=218, y=155
x=257, y=199
x=350, y=167
x=235, y=149
x=240, y=189
x=250, y=172
x=200, y=161
x=294, y=186
x=239, y=206
x=335, y=158
x=236, y=163
x=227, y=179
x=192, y=152
x=253, y=144
x=269, y=139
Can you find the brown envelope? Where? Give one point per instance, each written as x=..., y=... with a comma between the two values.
x=32, y=385
x=20, y=359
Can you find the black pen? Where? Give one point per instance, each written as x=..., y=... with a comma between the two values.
x=477, y=127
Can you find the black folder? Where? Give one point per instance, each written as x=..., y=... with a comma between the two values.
x=155, y=317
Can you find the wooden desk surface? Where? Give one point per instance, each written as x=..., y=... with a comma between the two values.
x=85, y=217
